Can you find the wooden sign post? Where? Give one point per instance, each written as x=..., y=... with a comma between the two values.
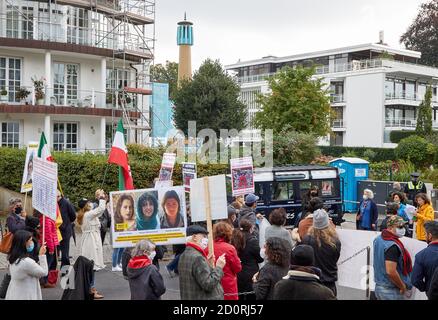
x=208, y=216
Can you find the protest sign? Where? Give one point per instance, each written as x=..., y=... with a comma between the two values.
x=242, y=177
x=218, y=198
x=44, y=185
x=352, y=263
x=155, y=214
x=163, y=184
x=167, y=166
x=32, y=152
x=188, y=173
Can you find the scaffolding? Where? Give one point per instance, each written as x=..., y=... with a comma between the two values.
x=127, y=28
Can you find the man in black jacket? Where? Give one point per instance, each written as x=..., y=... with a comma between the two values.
x=302, y=282
x=68, y=214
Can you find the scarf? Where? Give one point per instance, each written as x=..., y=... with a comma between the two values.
x=146, y=223
x=198, y=248
x=139, y=262
x=407, y=261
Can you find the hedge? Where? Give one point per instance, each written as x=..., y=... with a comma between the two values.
x=397, y=135
x=382, y=154
x=81, y=175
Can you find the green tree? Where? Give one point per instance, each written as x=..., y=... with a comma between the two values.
x=296, y=100
x=167, y=73
x=422, y=34
x=424, y=119
x=416, y=150
x=211, y=99
x=291, y=147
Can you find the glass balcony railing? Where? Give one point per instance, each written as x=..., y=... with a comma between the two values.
x=351, y=66
x=255, y=78
x=338, y=124
x=411, y=96
x=400, y=122
x=337, y=98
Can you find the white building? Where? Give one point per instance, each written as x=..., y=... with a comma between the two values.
x=93, y=57
x=370, y=95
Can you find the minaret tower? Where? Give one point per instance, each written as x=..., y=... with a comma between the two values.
x=185, y=41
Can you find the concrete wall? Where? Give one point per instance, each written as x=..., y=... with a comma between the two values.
x=364, y=112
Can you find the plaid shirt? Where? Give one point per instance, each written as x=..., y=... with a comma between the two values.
x=197, y=280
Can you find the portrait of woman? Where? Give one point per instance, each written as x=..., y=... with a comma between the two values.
x=29, y=170
x=171, y=205
x=124, y=215
x=147, y=211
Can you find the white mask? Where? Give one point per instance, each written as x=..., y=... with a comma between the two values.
x=204, y=243
x=263, y=253
x=152, y=255
x=365, y=197
x=400, y=232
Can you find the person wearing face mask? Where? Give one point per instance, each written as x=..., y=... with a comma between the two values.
x=199, y=276
x=426, y=263
x=367, y=215
x=145, y=281
x=91, y=243
x=25, y=272
x=17, y=216
x=392, y=262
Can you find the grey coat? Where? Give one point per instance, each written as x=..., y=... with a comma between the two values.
x=197, y=279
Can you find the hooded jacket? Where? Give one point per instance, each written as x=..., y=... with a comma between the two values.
x=145, y=281
x=83, y=271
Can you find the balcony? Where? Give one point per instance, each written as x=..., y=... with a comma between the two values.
x=255, y=78
x=411, y=98
x=400, y=123
x=338, y=125
x=351, y=66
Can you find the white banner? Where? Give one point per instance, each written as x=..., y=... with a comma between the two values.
x=45, y=179
x=32, y=151
x=352, y=263
x=218, y=198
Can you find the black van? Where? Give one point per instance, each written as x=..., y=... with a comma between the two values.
x=284, y=187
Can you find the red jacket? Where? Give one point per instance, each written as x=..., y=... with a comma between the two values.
x=50, y=234
x=231, y=269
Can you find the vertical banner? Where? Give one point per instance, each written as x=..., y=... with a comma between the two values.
x=218, y=198
x=31, y=154
x=167, y=166
x=159, y=215
x=242, y=176
x=44, y=187
x=188, y=174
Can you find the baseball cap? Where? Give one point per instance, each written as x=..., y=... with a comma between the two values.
x=395, y=221
x=251, y=198
x=303, y=255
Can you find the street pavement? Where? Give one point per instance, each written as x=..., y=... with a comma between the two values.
x=115, y=287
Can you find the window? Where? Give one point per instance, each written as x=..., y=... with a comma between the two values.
x=77, y=26
x=65, y=136
x=110, y=132
x=10, y=133
x=258, y=188
x=282, y=191
x=66, y=83
x=337, y=138
x=12, y=21
x=389, y=88
x=10, y=76
x=410, y=90
x=304, y=187
x=27, y=22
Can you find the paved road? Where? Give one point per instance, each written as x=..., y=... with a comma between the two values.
x=114, y=287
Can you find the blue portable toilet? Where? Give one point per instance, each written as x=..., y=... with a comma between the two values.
x=351, y=170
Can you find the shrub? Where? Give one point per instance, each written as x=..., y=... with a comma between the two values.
x=397, y=135
x=417, y=150
x=380, y=170
x=369, y=154
x=382, y=154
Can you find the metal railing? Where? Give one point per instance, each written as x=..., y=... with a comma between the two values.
x=350, y=66
x=255, y=78
x=400, y=122
x=338, y=124
x=403, y=95
x=337, y=98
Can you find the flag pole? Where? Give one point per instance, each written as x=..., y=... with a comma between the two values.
x=208, y=214
x=25, y=200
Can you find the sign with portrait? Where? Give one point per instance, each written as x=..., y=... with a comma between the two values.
x=167, y=167
x=242, y=176
x=188, y=173
x=31, y=154
x=155, y=214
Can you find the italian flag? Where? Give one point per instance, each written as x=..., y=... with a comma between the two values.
x=119, y=155
x=43, y=149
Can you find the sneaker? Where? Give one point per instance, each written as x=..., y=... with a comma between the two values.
x=116, y=269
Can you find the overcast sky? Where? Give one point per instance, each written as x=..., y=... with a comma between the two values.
x=230, y=30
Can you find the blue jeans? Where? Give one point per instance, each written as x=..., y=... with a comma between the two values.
x=173, y=265
x=117, y=256
x=387, y=293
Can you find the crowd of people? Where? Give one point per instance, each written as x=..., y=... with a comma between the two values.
x=299, y=263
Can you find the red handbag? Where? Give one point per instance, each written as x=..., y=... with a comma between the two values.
x=52, y=277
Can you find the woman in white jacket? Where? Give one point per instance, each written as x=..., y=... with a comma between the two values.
x=91, y=243
x=25, y=272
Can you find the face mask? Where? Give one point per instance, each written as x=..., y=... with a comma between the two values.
x=365, y=197
x=263, y=253
x=152, y=255
x=30, y=248
x=400, y=232
x=204, y=243
x=18, y=210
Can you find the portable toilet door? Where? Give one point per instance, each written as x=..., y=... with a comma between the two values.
x=351, y=170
